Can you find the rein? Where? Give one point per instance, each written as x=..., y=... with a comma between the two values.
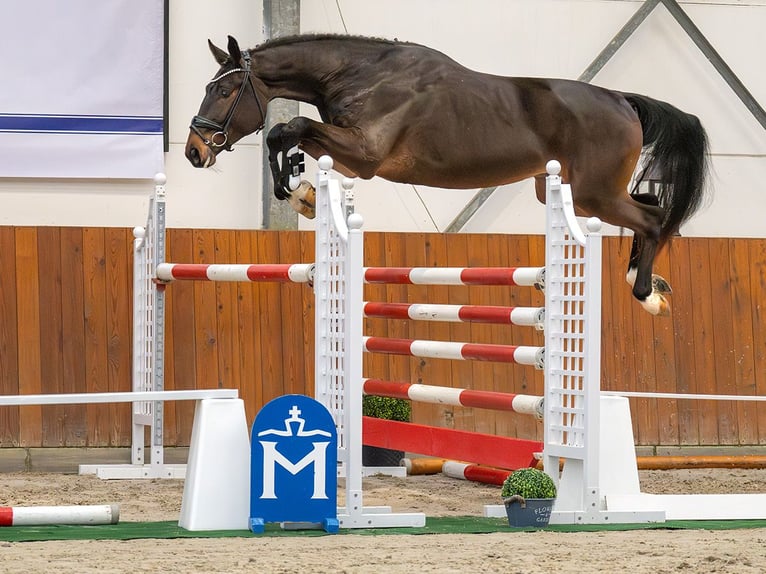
x=220, y=137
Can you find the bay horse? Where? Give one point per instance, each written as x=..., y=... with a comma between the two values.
x=410, y=114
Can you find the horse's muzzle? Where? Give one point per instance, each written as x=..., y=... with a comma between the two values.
x=198, y=154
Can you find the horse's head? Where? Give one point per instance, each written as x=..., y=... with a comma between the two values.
x=232, y=107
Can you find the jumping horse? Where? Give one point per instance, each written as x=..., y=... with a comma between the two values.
x=410, y=114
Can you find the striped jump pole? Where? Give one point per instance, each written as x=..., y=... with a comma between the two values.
x=280, y=273
x=522, y=404
x=85, y=515
x=522, y=355
x=475, y=472
x=523, y=316
x=519, y=276
x=456, y=469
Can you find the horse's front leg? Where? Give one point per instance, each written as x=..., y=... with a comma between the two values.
x=353, y=155
x=274, y=143
x=347, y=147
x=288, y=185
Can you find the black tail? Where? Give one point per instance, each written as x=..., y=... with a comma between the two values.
x=678, y=152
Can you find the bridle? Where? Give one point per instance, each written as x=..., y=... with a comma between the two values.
x=220, y=137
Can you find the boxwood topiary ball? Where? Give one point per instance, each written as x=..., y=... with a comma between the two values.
x=529, y=483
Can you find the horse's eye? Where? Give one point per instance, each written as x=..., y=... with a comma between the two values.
x=225, y=93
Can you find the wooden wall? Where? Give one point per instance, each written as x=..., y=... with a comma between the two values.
x=66, y=312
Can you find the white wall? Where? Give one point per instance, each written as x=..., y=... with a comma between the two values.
x=552, y=38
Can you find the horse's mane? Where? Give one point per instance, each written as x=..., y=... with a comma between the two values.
x=296, y=39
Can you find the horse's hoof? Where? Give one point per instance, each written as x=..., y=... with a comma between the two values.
x=303, y=200
x=656, y=304
x=659, y=284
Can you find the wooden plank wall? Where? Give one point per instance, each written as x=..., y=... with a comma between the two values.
x=66, y=312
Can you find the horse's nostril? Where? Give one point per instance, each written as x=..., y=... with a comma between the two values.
x=195, y=157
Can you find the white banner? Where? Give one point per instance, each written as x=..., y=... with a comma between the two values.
x=82, y=89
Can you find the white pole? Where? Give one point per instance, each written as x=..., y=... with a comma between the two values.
x=56, y=515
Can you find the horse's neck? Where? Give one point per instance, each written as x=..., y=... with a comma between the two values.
x=293, y=71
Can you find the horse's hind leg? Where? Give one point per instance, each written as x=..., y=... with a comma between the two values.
x=659, y=284
x=641, y=216
x=645, y=221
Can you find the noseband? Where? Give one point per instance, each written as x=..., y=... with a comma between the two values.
x=220, y=137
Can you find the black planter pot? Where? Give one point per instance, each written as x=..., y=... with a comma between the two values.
x=530, y=512
x=377, y=456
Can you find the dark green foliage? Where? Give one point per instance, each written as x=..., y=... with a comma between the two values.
x=529, y=483
x=386, y=408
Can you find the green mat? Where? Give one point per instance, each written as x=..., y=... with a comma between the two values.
x=445, y=525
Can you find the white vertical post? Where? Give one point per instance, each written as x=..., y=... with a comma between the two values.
x=573, y=351
x=140, y=360
x=573, y=429
x=328, y=323
x=591, y=364
x=352, y=345
x=338, y=287
x=334, y=342
x=158, y=331
x=149, y=245
x=148, y=372
x=562, y=440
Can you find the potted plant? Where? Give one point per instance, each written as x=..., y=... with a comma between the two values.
x=384, y=408
x=528, y=495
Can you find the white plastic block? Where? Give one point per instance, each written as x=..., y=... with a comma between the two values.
x=217, y=488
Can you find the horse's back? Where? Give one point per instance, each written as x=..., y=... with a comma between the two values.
x=450, y=124
x=395, y=75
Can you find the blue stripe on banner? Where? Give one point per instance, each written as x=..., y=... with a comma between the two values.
x=80, y=124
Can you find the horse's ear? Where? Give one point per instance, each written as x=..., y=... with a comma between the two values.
x=220, y=56
x=234, y=52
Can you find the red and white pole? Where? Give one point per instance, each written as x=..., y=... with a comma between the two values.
x=524, y=404
x=56, y=515
x=523, y=355
x=475, y=472
x=524, y=316
x=521, y=276
x=279, y=273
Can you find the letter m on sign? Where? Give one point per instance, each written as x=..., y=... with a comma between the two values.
x=272, y=457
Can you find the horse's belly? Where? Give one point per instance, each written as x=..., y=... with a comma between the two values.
x=463, y=172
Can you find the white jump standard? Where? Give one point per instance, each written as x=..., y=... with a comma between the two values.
x=338, y=335
x=571, y=356
x=573, y=409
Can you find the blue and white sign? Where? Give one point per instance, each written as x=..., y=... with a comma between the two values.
x=294, y=453
x=82, y=89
